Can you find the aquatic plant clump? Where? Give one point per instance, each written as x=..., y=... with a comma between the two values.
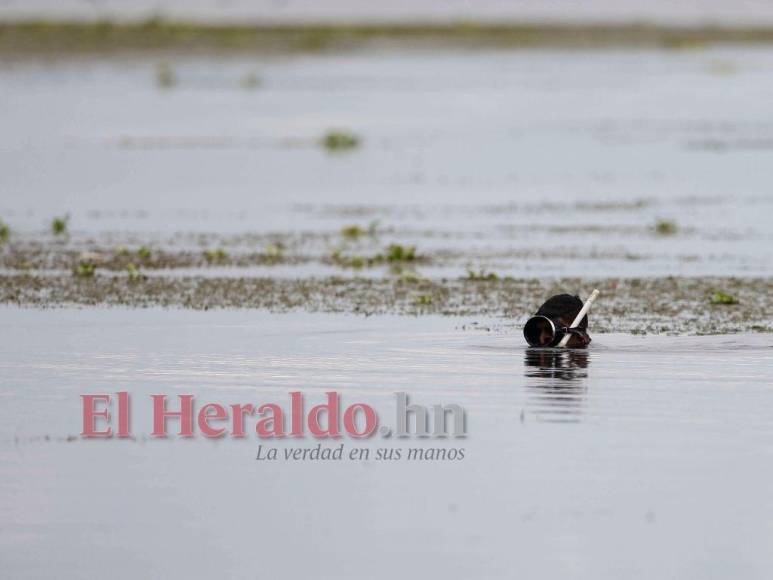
x=424, y=300
x=722, y=298
x=5, y=232
x=216, y=255
x=340, y=141
x=394, y=254
x=273, y=252
x=666, y=227
x=400, y=253
x=133, y=273
x=481, y=275
x=352, y=232
x=59, y=225
x=85, y=269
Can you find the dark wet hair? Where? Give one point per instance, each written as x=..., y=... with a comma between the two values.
x=563, y=306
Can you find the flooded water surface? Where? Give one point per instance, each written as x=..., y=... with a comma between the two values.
x=523, y=162
x=285, y=209
x=574, y=461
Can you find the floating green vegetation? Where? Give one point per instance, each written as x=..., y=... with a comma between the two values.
x=400, y=253
x=352, y=232
x=250, y=81
x=165, y=76
x=158, y=34
x=5, y=232
x=143, y=253
x=355, y=232
x=722, y=298
x=340, y=141
x=356, y=262
x=273, y=251
x=122, y=251
x=133, y=272
x=666, y=227
x=408, y=276
x=85, y=269
x=216, y=255
x=481, y=275
x=395, y=254
x=424, y=299
x=59, y=225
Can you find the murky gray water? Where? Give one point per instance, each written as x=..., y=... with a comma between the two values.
x=523, y=162
x=645, y=457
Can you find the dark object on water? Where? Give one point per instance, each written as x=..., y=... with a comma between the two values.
x=553, y=322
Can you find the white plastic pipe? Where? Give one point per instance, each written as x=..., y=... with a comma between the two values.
x=580, y=315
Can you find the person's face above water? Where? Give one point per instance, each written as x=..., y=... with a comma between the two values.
x=575, y=341
x=558, y=311
x=545, y=333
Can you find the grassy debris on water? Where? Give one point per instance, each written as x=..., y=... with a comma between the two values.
x=340, y=141
x=59, y=225
x=666, y=305
x=60, y=38
x=722, y=298
x=5, y=232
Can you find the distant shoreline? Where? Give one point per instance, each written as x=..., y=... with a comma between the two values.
x=62, y=38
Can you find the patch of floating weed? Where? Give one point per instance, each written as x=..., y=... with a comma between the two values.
x=355, y=232
x=85, y=269
x=481, y=275
x=395, y=254
x=59, y=225
x=133, y=273
x=143, y=253
x=409, y=277
x=356, y=262
x=666, y=227
x=340, y=141
x=722, y=298
x=5, y=232
x=424, y=299
x=122, y=251
x=216, y=255
x=156, y=33
x=684, y=43
x=273, y=252
x=165, y=76
x=352, y=232
x=400, y=253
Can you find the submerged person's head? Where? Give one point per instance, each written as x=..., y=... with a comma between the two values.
x=558, y=313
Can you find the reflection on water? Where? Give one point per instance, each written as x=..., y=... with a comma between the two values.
x=555, y=380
